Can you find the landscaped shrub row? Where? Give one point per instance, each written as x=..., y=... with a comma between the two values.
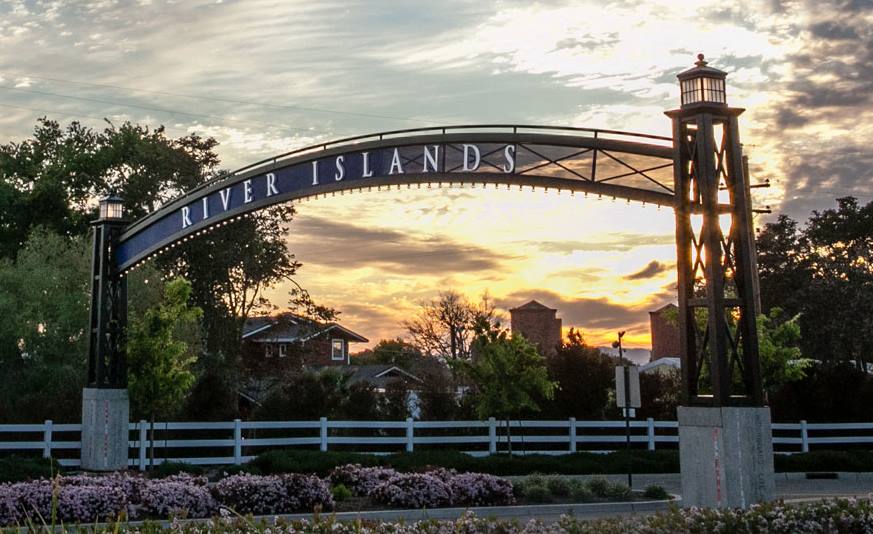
x=84, y=499
x=539, y=488
x=321, y=463
x=431, y=489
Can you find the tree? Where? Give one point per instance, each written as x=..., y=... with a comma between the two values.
x=53, y=178
x=444, y=328
x=508, y=373
x=390, y=352
x=779, y=350
x=159, y=362
x=584, y=376
x=824, y=272
x=43, y=333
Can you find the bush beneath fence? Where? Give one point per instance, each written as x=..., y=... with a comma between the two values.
x=323, y=463
x=854, y=460
x=16, y=468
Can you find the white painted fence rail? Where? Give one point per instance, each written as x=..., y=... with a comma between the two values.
x=236, y=442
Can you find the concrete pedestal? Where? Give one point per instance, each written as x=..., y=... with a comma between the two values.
x=726, y=456
x=105, y=432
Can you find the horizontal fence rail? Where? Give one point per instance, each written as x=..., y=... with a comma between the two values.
x=236, y=442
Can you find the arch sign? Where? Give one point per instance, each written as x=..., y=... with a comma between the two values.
x=617, y=164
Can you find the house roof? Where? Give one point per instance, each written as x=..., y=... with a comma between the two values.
x=532, y=306
x=379, y=374
x=674, y=363
x=664, y=308
x=289, y=328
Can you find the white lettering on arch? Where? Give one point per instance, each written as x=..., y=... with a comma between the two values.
x=431, y=158
x=395, y=163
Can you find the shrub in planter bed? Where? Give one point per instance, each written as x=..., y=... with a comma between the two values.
x=558, y=486
x=259, y=495
x=178, y=496
x=25, y=501
x=413, y=490
x=656, y=492
x=360, y=480
x=477, y=489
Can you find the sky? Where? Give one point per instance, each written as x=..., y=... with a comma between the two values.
x=267, y=77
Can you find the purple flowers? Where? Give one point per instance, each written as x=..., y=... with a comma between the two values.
x=413, y=490
x=273, y=494
x=434, y=488
x=85, y=499
x=477, y=489
x=360, y=480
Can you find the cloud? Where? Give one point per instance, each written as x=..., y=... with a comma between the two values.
x=341, y=245
x=653, y=269
x=617, y=242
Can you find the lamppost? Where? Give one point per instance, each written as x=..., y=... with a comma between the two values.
x=625, y=377
x=726, y=449
x=105, y=405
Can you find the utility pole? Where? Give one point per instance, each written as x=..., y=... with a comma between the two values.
x=627, y=403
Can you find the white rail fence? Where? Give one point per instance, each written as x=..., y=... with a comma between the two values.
x=236, y=442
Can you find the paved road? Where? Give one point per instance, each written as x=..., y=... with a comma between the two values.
x=789, y=486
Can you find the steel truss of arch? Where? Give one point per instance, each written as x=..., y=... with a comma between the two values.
x=716, y=273
x=717, y=278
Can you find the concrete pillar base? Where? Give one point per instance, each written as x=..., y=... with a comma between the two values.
x=105, y=429
x=726, y=456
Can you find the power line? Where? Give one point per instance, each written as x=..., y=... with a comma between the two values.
x=150, y=108
x=230, y=100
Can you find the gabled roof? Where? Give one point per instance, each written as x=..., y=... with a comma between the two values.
x=378, y=375
x=664, y=308
x=533, y=306
x=289, y=328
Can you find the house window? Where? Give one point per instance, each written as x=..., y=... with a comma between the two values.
x=269, y=350
x=283, y=350
x=337, y=349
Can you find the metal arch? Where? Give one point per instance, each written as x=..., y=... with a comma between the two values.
x=608, y=143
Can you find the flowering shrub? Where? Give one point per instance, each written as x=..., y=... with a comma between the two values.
x=476, y=489
x=305, y=492
x=273, y=494
x=413, y=490
x=78, y=502
x=178, y=496
x=360, y=480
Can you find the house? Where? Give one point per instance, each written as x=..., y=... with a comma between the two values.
x=665, y=332
x=301, y=342
x=538, y=324
x=662, y=365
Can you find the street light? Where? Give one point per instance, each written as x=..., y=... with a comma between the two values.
x=702, y=86
x=111, y=207
x=625, y=377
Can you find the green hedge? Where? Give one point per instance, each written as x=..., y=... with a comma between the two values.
x=287, y=461
x=582, y=463
x=856, y=460
x=16, y=468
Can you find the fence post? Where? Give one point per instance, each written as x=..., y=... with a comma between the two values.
x=47, y=439
x=237, y=442
x=572, y=435
x=143, y=437
x=650, y=432
x=804, y=436
x=410, y=434
x=492, y=435
x=323, y=434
